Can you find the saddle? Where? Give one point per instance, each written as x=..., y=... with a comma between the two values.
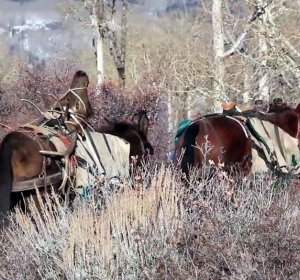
x=61, y=144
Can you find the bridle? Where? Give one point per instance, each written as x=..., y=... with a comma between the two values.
x=72, y=90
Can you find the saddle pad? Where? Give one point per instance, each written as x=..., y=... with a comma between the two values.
x=182, y=126
x=274, y=141
x=106, y=155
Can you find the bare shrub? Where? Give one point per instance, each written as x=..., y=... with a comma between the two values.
x=115, y=103
x=126, y=239
x=164, y=230
x=35, y=85
x=256, y=240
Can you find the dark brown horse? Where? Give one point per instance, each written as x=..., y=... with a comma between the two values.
x=230, y=143
x=135, y=134
x=281, y=115
x=22, y=166
x=285, y=117
x=216, y=138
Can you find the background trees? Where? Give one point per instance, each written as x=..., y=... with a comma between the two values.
x=197, y=54
x=101, y=17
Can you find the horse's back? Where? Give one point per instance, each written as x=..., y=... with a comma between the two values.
x=226, y=136
x=216, y=138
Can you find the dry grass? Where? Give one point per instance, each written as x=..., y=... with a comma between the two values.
x=120, y=240
x=162, y=230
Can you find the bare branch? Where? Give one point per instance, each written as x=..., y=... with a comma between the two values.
x=256, y=14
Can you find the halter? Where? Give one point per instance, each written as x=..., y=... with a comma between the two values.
x=72, y=90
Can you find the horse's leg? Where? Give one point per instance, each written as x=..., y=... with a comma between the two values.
x=188, y=159
x=6, y=179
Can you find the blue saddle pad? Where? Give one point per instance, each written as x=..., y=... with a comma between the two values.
x=182, y=126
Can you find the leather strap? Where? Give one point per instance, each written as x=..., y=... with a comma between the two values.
x=37, y=182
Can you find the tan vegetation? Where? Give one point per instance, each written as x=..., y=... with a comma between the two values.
x=160, y=230
x=158, y=226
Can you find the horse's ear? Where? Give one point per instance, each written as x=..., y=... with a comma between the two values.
x=277, y=101
x=143, y=123
x=107, y=122
x=258, y=102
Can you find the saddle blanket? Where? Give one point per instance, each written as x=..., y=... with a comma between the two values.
x=101, y=155
x=275, y=143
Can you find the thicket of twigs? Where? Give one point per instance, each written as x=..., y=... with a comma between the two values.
x=161, y=230
x=41, y=87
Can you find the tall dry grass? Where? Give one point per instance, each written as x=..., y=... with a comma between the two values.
x=121, y=240
x=162, y=228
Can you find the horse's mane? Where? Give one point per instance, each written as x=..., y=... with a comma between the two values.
x=118, y=127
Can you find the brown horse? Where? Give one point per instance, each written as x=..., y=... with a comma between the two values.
x=231, y=143
x=135, y=134
x=22, y=166
x=281, y=115
x=285, y=117
x=216, y=138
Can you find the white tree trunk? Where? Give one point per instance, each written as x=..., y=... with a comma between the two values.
x=218, y=51
x=100, y=63
x=170, y=112
x=263, y=87
x=247, y=82
x=97, y=22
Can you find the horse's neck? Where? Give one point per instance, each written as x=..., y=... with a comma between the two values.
x=280, y=120
x=297, y=110
x=115, y=132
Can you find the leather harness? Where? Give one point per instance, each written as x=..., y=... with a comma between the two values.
x=43, y=180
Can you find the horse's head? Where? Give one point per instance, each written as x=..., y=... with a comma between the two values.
x=277, y=106
x=142, y=131
x=75, y=101
x=285, y=117
x=135, y=134
x=76, y=98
